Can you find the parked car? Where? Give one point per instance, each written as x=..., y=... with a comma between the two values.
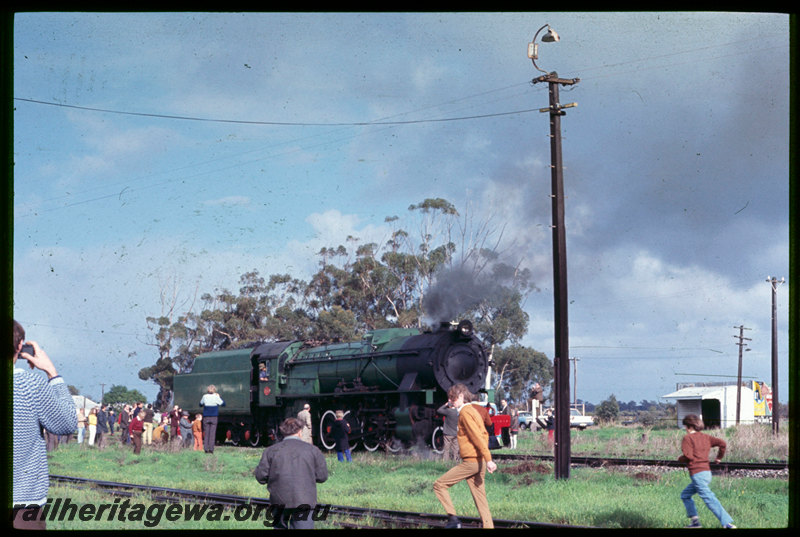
x=526, y=419
x=576, y=419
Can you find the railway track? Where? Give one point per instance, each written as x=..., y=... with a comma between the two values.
x=362, y=518
x=366, y=517
x=724, y=466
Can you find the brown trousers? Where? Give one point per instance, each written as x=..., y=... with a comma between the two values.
x=136, y=438
x=451, y=448
x=473, y=472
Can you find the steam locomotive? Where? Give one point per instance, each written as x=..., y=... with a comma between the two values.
x=389, y=385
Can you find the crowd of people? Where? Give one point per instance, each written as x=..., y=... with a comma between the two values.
x=135, y=425
x=290, y=468
x=44, y=411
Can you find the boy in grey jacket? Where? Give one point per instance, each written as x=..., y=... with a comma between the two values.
x=291, y=470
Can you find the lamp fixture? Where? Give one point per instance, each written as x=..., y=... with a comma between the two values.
x=533, y=47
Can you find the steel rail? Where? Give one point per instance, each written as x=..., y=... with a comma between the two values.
x=384, y=516
x=629, y=461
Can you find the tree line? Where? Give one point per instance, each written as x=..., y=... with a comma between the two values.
x=435, y=264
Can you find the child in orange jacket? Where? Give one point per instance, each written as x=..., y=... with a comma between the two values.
x=197, y=432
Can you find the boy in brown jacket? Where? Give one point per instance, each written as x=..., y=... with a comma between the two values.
x=473, y=445
x=695, y=448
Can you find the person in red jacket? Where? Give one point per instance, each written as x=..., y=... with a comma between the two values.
x=135, y=429
x=695, y=448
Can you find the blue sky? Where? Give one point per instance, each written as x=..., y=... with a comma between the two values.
x=163, y=155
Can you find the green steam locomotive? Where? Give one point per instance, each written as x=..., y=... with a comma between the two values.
x=389, y=385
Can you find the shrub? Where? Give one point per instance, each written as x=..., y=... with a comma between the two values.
x=608, y=410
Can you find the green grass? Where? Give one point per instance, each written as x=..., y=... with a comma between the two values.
x=608, y=498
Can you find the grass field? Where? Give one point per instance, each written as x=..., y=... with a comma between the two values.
x=608, y=498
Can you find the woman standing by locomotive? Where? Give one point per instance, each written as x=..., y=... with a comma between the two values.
x=340, y=431
x=210, y=402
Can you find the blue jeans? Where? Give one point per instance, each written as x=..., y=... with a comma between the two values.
x=340, y=456
x=700, y=486
x=288, y=520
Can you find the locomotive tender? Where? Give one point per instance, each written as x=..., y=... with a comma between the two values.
x=389, y=385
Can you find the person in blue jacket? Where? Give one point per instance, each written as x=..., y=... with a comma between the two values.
x=210, y=402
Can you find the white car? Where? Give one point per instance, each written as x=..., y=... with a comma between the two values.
x=576, y=419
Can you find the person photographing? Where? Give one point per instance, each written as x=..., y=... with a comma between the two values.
x=40, y=402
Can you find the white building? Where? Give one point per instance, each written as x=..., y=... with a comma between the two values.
x=716, y=405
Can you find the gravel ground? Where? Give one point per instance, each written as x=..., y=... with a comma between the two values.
x=650, y=473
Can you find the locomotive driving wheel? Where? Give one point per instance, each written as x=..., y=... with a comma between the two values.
x=374, y=427
x=252, y=437
x=393, y=445
x=325, y=436
x=371, y=444
x=437, y=440
x=370, y=436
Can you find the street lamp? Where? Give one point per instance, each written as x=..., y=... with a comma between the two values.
x=562, y=452
x=533, y=47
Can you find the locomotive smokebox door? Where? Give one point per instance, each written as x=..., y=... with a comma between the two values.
x=461, y=363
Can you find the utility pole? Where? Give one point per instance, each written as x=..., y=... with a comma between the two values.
x=775, y=404
x=562, y=452
x=561, y=360
x=739, y=377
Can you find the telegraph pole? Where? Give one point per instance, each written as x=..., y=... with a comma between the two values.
x=739, y=377
x=562, y=434
x=775, y=405
x=561, y=358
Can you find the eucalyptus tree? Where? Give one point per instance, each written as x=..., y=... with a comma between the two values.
x=517, y=369
x=448, y=266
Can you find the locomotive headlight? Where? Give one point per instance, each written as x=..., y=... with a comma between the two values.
x=465, y=328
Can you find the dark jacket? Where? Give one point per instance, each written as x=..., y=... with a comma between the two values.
x=340, y=431
x=450, y=419
x=124, y=420
x=102, y=421
x=291, y=470
x=186, y=427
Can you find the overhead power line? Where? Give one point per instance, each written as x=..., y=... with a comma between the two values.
x=278, y=123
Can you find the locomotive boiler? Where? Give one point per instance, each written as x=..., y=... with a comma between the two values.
x=389, y=385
